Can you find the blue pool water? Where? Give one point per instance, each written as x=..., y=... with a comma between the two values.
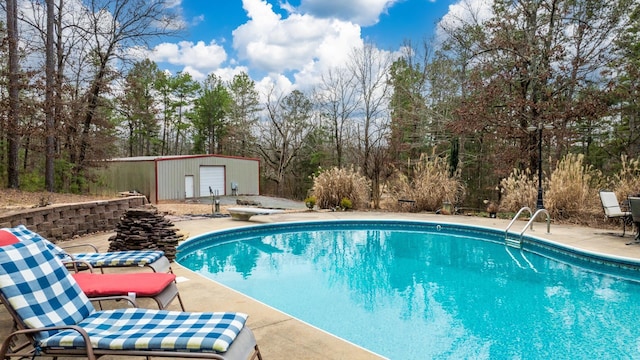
x=414, y=290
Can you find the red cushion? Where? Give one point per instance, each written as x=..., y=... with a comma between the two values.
x=143, y=284
x=7, y=238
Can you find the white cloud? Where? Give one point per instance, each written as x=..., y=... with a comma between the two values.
x=361, y=12
x=195, y=74
x=273, y=44
x=464, y=12
x=227, y=73
x=297, y=46
x=198, y=56
x=275, y=83
x=173, y=3
x=197, y=20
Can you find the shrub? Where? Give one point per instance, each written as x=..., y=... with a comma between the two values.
x=627, y=181
x=333, y=185
x=571, y=188
x=432, y=184
x=346, y=204
x=310, y=202
x=520, y=189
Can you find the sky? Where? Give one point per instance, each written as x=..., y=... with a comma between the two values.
x=290, y=43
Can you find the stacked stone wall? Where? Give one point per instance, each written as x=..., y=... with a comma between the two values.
x=63, y=222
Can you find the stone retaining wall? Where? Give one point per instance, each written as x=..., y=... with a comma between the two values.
x=62, y=222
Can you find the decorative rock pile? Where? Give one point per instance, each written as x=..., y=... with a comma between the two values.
x=145, y=229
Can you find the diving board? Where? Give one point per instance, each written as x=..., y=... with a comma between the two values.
x=245, y=213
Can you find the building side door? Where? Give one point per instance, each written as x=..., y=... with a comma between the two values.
x=188, y=186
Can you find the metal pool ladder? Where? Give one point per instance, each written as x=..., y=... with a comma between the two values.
x=517, y=243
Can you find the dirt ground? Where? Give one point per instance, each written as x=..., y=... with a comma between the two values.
x=16, y=200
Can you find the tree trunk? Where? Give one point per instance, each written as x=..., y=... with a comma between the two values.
x=49, y=178
x=14, y=95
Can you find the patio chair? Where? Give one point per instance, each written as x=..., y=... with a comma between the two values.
x=161, y=287
x=612, y=209
x=153, y=259
x=52, y=311
x=634, y=206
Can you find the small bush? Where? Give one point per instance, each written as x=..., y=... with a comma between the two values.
x=333, y=185
x=346, y=204
x=432, y=185
x=520, y=189
x=569, y=193
x=627, y=181
x=571, y=188
x=310, y=202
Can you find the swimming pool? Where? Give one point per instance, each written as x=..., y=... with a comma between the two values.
x=417, y=290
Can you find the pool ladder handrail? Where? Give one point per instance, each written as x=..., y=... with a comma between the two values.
x=518, y=243
x=533, y=218
x=512, y=242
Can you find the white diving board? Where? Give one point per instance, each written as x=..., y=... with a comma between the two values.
x=245, y=213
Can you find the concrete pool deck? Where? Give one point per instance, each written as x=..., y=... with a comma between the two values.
x=281, y=336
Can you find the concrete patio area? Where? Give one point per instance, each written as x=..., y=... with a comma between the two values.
x=281, y=336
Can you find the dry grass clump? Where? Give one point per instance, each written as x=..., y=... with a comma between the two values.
x=520, y=189
x=573, y=188
x=627, y=181
x=432, y=185
x=331, y=188
x=570, y=194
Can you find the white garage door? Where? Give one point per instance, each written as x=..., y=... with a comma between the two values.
x=211, y=176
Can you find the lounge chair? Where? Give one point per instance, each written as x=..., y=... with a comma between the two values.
x=634, y=206
x=612, y=209
x=52, y=311
x=161, y=287
x=153, y=259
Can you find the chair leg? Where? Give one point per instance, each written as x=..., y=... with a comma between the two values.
x=256, y=353
x=636, y=239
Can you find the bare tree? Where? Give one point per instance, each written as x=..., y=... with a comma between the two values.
x=284, y=134
x=369, y=67
x=337, y=101
x=49, y=108
x=112, y=25
x=87, y=42
x=14, y=95
x=536, y=64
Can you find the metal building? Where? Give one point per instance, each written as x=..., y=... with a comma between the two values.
x=183, y=177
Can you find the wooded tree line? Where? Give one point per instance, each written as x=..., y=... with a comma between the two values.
x=474, y=96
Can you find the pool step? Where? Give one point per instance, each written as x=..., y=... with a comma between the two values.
x=514, y=243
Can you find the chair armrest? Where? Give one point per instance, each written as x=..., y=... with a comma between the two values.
x=624, y=206
x=129, y=299
x=93, y=247
x=73, y=263
x=7, y=342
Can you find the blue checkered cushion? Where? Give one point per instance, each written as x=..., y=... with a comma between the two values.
x=119, y=258
x=144, y=329
x=39, y=288
x=114, y=258
x=22, y=233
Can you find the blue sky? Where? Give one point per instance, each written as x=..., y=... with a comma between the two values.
x=290, y=43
